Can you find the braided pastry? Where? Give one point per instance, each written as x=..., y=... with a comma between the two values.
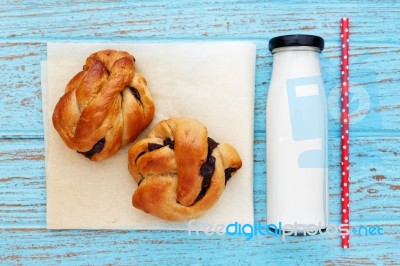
x=104, y=106
x=180, y=171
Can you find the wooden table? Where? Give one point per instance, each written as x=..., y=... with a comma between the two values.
x=26, y=26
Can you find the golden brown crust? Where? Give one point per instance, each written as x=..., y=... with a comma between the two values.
x=99, y=111
x=168, y=165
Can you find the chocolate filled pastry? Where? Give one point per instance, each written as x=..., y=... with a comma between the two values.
x=180, y=171
x=104, y=106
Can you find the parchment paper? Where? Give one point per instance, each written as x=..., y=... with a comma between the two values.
x=212, y=82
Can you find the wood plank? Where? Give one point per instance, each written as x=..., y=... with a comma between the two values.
x=240, y=19
x=127, y=247
x=375, y=192
x=32, y=20
x=374, y=78
x=22, y=183
x=20, y=89
x=264, y=19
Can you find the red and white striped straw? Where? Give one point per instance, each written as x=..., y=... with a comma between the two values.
x=345, y=121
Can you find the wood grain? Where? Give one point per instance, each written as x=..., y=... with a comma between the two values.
x=26, y=26
x=121, y=20
x=20, y=90
x=120, y=247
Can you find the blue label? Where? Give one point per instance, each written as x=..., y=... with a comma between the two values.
x=307, y=108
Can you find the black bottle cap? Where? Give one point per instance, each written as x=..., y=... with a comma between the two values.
x=296, y=40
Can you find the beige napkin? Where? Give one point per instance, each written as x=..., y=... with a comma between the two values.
x=212, y=82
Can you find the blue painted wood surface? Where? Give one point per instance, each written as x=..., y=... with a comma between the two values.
x=26, y=26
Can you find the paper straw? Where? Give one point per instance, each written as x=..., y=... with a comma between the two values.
x=345, y=130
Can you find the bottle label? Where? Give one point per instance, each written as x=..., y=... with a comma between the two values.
x=307, y=108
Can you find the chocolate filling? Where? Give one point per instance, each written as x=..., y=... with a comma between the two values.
x=207, y=169
x=228, y=173
x=98, y=147
x=136, y=93
x=170, y=143
x=212, y=144
x=154, y=146
x=139, y=155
